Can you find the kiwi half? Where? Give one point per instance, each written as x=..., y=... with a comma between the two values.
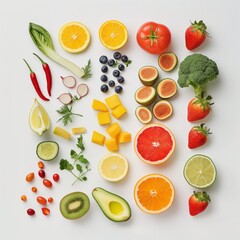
x=74, y=205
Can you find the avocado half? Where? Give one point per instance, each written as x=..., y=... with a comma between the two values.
x=113, y=206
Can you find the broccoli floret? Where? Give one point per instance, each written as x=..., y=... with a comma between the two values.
x=197, y=70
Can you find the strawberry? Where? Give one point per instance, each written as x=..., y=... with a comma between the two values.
x=198, y=108
x=195, y=35
x=197, y=136
x=198, y=202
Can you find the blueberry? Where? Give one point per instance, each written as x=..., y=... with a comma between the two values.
x=118, y=89
x=103, y=59
x=120, y=79
x=104, y=78
x=121, y=67
x=111, y=83
x=104, y=69
x=111, y=62
x=116, y=73
x=124, y=58
x=117, y=55
x=104, y=88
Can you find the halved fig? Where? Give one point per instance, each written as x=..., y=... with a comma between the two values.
x=145, y=95
x=143, y=114
x=167, y=61
x=162, y=109
x=166, y=88
x=148, y=75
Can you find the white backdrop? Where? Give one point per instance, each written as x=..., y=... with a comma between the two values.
x=18, y=142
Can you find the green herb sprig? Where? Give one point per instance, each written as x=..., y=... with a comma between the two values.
x=87, y=70
x=66, y=112
x=80, y=164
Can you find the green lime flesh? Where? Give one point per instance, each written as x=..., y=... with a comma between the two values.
x=47, y=150
x=200, y=171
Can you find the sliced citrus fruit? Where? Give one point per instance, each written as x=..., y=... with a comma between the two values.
x=113, y=167
x=200, y=171
x=113, y=34
x=74, y=37
x=154, y=193
x=154, y=143
x=38, y=118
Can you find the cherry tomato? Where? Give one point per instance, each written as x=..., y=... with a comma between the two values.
x=41, y=173
x=29, y=177
x=30, y=212
x=47, y=183
x=154, y=37
x=50, y=199
x=41, y=165
x=41, y=200
x=24, y=198
x=46, y=211
x=34, y=189
x=56, y=177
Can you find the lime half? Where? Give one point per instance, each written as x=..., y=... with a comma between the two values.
x=200, y=171
x=47, y=150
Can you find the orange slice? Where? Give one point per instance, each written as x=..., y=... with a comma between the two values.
x=74, y=37
x=113, y=34
x=154, y=193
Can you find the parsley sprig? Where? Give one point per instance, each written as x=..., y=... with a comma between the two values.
x=80, y=164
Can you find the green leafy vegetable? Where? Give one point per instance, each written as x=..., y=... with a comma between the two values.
x=197, y=70
x=80, y=162
x=67, y=114
x=43, y=41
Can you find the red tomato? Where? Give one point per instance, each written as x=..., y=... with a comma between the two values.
x=154, y=38
x=47, y=183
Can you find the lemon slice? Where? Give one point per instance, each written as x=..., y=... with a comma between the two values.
x=74, y=37
x=113, y=167
x=113, y=34
x=200, y=171
x=38, y=118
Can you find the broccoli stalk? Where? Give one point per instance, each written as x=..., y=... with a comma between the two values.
x=197, y=70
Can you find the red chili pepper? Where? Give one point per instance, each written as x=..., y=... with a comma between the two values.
x=48, y=74
x=35, y=83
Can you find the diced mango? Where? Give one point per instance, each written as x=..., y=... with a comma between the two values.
x=119, y=111
x=113, y=101
x=99, y=106
x=111, y=144
x=124, y=137
x=114, y=130
x=98, y=138
x=104, y=118
x=61, y=133
x=78, y=130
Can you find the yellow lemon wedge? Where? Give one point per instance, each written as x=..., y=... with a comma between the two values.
x=113, y=167
x=74, y=37
x=113, y=34
x=38, y=118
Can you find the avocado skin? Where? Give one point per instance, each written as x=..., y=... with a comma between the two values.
x=112, y=196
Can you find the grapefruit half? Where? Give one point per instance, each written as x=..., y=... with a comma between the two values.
x=154, y=143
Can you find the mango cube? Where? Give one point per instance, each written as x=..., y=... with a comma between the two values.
x=99, y=106
x=104, y=118
x=113, y=101
x=78, y=130
x=114, y=130
x=111, y=144
x=124, y=137
x=61, y=133
x=119, y=111
x=98, y=138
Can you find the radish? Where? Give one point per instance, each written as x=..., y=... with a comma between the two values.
x=69, y=81
x=82, y=90
x=65, y=98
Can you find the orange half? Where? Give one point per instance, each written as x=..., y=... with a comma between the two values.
x=154, y=193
